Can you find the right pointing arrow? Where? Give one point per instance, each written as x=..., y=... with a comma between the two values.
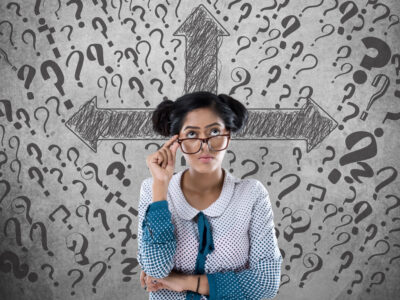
x=310, y=123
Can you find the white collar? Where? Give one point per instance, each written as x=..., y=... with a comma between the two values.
x=188, y=212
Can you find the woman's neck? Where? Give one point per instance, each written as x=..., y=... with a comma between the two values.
x=203, y=183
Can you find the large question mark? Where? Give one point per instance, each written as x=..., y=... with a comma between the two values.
x=10, y=261
x=79, y=65
x=381, y=91
x=387, y=181
x=78, y=243
x=368, y=62
x=308, y=68
x=300, y=222
x=317, y=266
x=367, y=152
x=289, y=29
x=351, y=12
x=243, y=80
x=99, y=275
x=277, y=74
x=349, y=257
x=252, y=172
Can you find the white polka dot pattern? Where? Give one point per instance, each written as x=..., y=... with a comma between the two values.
x=246, y=261
x=158, y=235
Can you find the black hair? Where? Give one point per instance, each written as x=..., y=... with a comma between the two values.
x=169, y=115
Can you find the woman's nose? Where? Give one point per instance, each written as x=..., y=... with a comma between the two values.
x=205, y=145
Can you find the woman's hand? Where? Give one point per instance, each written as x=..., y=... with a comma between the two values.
x=174, y=282
x=149, y=282
x=162, y=162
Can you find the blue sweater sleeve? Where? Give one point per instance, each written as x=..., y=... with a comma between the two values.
x=262, y=279
x=156, y=236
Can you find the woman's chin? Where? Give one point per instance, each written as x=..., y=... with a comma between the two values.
x=202, y=167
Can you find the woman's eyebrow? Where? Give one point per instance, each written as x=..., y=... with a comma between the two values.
x=195, y=127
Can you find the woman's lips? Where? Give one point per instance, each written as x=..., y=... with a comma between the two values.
x=206, y=159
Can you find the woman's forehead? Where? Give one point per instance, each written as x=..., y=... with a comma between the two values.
x=201, y=118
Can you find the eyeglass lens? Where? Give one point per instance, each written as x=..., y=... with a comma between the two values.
x=215, y=143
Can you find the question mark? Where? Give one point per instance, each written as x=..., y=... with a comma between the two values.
x=297, y=151
x=232, y=160
x=384, y=86
x=346, y=55
x=77, y=280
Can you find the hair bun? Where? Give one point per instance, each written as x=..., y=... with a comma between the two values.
x=238, y=108
x=161, y=117
x=225, y=98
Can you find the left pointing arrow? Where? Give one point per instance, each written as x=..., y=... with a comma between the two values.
x=91, y=123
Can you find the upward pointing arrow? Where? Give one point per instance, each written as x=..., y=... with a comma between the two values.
x=201, y=30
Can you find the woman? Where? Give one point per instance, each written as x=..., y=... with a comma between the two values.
x=202, y=233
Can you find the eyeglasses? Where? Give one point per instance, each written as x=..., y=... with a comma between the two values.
x=215, y=143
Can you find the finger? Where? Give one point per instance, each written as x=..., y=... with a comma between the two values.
x=149, y=280
x=170, y=141
x=143, y=282
x=151, y=286
x=165, y=155
x=142, y=276
x=170, y=157
x=147, y=285
x=158, y=286
x=174, y=148
x=156, y=158
x=161, y=157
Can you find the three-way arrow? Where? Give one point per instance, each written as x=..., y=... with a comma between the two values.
x=201, y=31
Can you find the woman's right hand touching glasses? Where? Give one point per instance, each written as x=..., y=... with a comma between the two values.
x=162, y=162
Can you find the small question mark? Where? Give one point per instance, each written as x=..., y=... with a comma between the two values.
x=297, y=153
x=77, y=280
x=232, y=160
x=265, y=154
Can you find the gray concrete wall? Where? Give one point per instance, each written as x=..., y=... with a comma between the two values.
x=79, y=81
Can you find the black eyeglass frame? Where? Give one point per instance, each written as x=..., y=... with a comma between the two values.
x=205, y=140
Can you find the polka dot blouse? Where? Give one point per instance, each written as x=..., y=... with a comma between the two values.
x=232, y=241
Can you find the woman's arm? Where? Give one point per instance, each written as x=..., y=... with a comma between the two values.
x=262, y=279
x=191, y=284
x=156, y=237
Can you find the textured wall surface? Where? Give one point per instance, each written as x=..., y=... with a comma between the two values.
x=80, y=78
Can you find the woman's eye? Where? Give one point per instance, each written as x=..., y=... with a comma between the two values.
x=213, y=130
x=188, y=134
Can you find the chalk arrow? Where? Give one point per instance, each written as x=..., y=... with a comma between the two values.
x=201, y=31
x=310, y=123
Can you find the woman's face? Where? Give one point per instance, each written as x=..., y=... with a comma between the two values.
x=200, y=118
